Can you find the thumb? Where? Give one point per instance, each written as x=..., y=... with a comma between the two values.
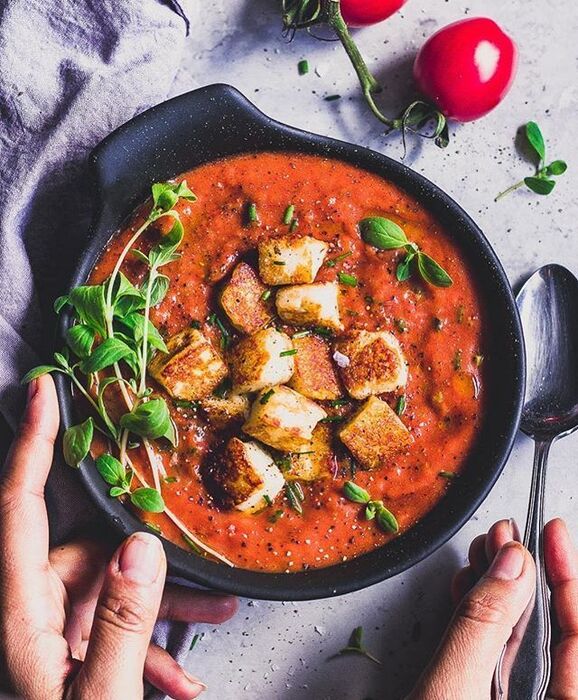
x=464, y=664
x=123, y=621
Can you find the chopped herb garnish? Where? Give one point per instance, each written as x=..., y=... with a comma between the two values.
x=347, y=279
x=284, y=462
x=400, y=405
x=295, y=495
x=447, y=475
x=401, y=325
x=458, y=360
x=154, y=527
x=266, y=396
x=193, y=545
x=267, y=500
x=280, y=263
x=332, y=419
x=320, y=330
x=332, y=262
x=276, y=516
x=288, y=353
x=222, y=391
x=303, y=67
x=225, y=335
x=183, y=403
x=288, y=215
x=197, y=638
x=332, y=98
x=252, y=213
x=355, y=646
x=301, y=334
x=170, y=479
x=337, y=403
x=266, y=295
x=293, y=226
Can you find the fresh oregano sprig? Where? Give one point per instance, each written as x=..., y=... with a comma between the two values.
x=385, y=234
x=373, y=509
x=541, y=182
x=119, y=478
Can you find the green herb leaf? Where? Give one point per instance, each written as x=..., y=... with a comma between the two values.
x=347, y=280
x=266, y=396
x=76, y=442
x=447, y=475
x=370, y=510
x=355, y=493
x=535, y=139
x=382, y=233
x=106, y=354
x=159, y=288
x=403, y=270
x=147, y=499
x=80, y=339
x=303, y=67
x=539, y=185
x=295, y=495
x=556, y=167
x=288, y=353
x=134, y=324
x=252, y=213
x=150, y=419
x=117, y=491
x=36, y=372
x=432, y=272
x=400, y=405
x=386, y=520
x=89, y=303
x=60, y=303
x=288, y=215
x=111, y=470
x=355, y=646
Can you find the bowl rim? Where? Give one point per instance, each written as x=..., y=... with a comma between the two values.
x=215, y=103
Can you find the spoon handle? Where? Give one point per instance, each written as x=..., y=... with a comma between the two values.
x=523, y=671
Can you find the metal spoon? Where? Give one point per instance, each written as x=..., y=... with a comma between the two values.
x=548, y=305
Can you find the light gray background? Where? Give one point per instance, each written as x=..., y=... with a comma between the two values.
x=280, y=650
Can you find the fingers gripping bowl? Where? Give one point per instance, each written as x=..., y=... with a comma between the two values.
x=331, y=342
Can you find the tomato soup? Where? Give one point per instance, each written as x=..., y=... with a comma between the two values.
x=241, y=201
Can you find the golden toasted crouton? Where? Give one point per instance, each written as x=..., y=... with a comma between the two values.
x=191, y=369
x=375, y=364
x=223, y=411
x=246, y=477
x=314, y=374
x=260, y=361
x=313, y=461
x=242, y=300
x=374, y=433
x=310, y=305
x=283, y=419
x=290, y=260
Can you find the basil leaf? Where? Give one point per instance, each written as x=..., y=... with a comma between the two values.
x=159, y=289
x=60, y=303
x=382, y=233
x=370, y=510
x=184, y=192
x=166, y=199
x=106, y=354
x=111, y=470
x=80, y=339
x=150, y=419
x=116, y=491
x=556, y=167
x=355, y=493
x=148, y=499
x=76, y=442
x=164, y=252
x=539, y=185
x=432, y=272
x=404, y=268
x=386, y=520
x=135, y=324
x=139, y=255
x=36, y=372
x=536, y=140
x=61, y=358
x=89, y=304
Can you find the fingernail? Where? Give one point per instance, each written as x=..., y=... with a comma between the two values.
x=32, y=389
x=140, y=559
x=508, y=562
x=515, y=530
x=197, y=686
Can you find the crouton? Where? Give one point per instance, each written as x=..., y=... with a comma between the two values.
x=290, y=260
x=223, y=411
x=310, y=305
x=191, y=369
x=374, y=434
x=283, y=419
x=313, y=461
x=314, y=374
x=246, y=477
x=375, y=365
x=259, y=361
x=242, y=300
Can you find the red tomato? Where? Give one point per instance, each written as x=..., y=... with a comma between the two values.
x=360, y=13
x=466, y=68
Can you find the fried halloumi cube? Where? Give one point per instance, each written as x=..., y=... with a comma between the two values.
x=242, y=300
x=283, y=419
x=375, y=433
x=247, y=477
x=310, y=305
x=191, y=369
x=223, y=411
x=376, y=363
x=313, y=461
x=290, y=260
x=314, y=374
x=260, y=361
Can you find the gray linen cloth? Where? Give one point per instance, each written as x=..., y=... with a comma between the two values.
x=71, y=71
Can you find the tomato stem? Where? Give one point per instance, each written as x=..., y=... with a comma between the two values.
x=369, y=84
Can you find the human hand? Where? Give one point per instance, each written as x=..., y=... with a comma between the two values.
x=492, y=593
x=72, y=623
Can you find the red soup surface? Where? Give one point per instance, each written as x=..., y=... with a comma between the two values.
x=440, y=331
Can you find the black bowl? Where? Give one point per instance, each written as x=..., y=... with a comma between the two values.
x=217, y=121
